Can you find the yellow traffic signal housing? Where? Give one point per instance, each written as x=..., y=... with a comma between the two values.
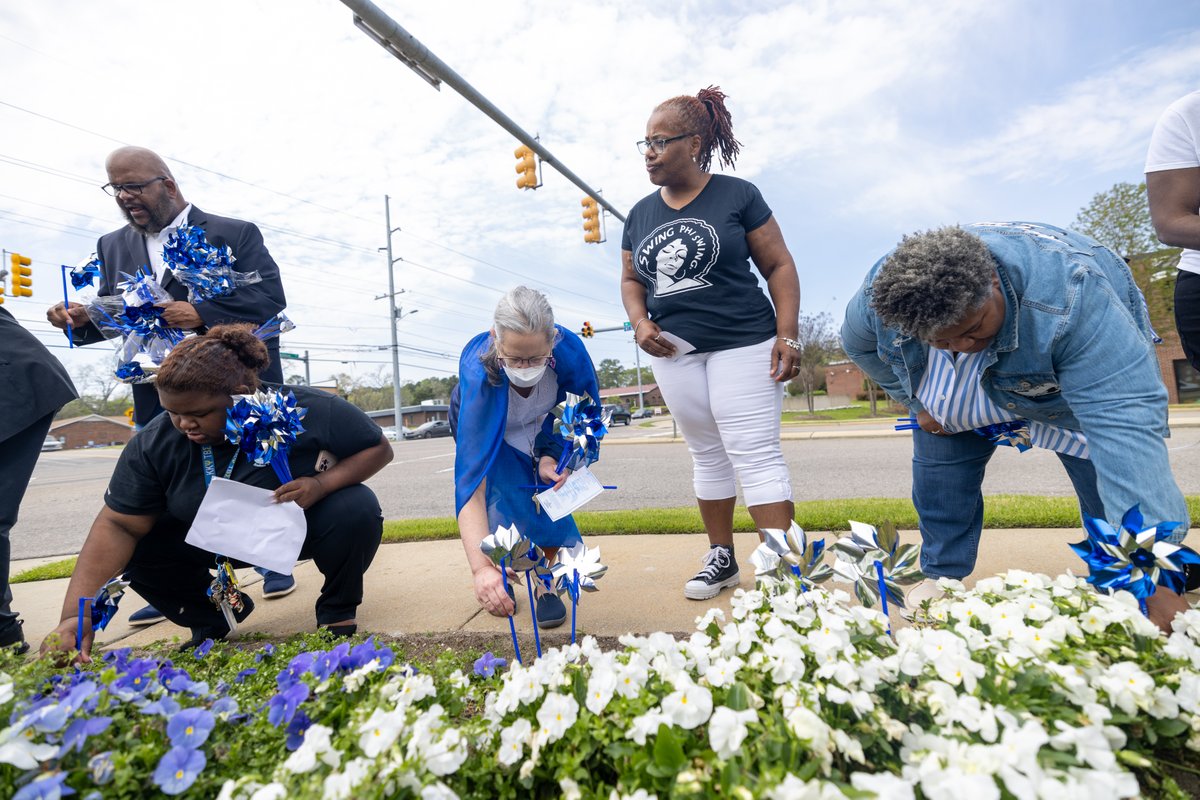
x=20, y=278
x=591, y=221
x=526, y=168
x=587, y=331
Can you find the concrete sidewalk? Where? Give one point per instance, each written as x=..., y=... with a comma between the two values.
x=426, y=587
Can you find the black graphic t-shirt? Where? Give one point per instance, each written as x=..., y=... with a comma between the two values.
x=695, y=263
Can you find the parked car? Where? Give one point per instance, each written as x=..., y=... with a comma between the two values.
x=390, y=434
x=430, y=430
x=619, y=414
x=51, y=444
x=643, y=413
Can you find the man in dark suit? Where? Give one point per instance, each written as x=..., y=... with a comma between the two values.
x=33, y=387
x=154, y=206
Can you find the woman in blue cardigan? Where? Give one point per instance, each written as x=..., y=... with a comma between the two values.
x=510, y=378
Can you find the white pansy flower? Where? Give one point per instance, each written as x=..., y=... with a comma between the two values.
x=642, y=726
x=1127, y=685
x=341, y=785
x=1089, y=744
x=438, y=791
x=792, y=788
x=379, y=731
x=727, y=730
x=688, y=706
x=601, y=685
x=885, y=785
x=414, y=689
x=638, y=794
x=722, y=672
x=513, y=740
x=570, y=789
x=632, y=677
x=556, y=715
x=272, y=791
x=317, y=746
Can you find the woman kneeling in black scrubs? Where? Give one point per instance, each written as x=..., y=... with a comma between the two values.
x=162, y=476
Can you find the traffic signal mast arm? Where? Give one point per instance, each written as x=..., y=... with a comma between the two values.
x=386, y=32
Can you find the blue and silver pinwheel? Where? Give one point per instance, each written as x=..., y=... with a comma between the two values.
x=790, y=555
x=581, y=424
x=264, y=426
x=204, y=268
x=876, y=563
x=1137, y=558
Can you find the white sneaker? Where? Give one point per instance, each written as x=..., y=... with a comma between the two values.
x=927, y=589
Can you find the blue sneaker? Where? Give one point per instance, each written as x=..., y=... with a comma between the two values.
x=277, y=585
x=146, y=616
x=551, y=611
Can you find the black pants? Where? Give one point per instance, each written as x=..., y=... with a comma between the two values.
x=344, y=531
x=18, y=455
x=1187, y=314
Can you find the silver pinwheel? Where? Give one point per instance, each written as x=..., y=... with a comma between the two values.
x=790, y=554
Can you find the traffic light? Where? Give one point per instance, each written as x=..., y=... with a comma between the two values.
x=587, y=331
x=526, y=168
x=591, y=220
x=20, y=278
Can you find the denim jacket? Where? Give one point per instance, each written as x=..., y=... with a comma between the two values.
x=1075, y=351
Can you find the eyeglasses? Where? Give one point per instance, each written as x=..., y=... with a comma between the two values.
x=659, y=145
x=134, y=189
x=536, y=361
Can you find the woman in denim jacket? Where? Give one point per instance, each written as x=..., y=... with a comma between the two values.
x=1038, y=333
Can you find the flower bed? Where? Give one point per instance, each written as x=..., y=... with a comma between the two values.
x=1025, y=687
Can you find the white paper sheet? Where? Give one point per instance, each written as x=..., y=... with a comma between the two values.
x=682, y=346
x=246, y=524
x=577, y=490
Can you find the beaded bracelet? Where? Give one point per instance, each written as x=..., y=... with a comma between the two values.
x=792, y=343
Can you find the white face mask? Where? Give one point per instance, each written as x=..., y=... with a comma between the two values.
x=525, y=376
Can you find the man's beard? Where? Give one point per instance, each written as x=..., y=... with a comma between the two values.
x=161, y=215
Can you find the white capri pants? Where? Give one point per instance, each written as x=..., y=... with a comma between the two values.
x=728, y=408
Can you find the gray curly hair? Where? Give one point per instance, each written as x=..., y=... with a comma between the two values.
x=932, y=280
x=520, y=310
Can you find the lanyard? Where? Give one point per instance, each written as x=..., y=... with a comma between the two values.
x=210, y=466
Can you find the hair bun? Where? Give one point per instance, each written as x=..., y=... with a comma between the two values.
x=241, y=341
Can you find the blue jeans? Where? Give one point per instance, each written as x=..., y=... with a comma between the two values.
x=947, y=476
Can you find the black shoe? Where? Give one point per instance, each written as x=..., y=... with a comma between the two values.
x=339, y=631
x=1191, y=577
x=14, y=638
x=218, y=632
x=720, y=571
x=551, y=611
x=147, y=615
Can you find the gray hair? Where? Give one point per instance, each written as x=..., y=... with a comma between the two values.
x=520, y=310
x=932, y=280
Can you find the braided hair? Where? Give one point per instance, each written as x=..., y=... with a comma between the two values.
x=706, y=115
x=226, y=359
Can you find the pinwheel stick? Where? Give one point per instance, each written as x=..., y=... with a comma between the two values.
x=512, y=626
x=66, y=303
x=537, y=639
x=83, y=609
x=574, y=602
x=882, y=592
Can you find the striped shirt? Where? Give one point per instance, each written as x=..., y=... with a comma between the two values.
x=950, y=391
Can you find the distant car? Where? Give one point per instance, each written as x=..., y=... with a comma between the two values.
x=51, y=444
x=643, y=413
x=619, y=414
x=390, y=434
x=430, y=430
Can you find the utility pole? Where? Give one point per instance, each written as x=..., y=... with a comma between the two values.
x=388, y=34
x=393, y=319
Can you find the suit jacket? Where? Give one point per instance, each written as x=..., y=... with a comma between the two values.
x=33, y=383
x=125, y=251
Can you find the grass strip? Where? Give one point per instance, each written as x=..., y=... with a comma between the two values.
x=46, y=572
x=999, y=511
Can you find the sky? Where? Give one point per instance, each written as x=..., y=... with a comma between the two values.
x=860, y=122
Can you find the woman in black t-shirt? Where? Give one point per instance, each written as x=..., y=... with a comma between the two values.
x=164, y=471
x=721, y=350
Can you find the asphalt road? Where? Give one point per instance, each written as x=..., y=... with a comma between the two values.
x=68, y=486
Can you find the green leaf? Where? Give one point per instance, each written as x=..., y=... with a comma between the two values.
x=739, y=697
x=1134, y=759
x=668, y=750
x=1171, y=727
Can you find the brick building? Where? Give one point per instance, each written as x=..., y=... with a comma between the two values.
x=628, y=396
x=413, y=416
x=91, y=431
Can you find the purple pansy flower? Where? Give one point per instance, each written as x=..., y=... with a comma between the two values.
x=178, y=770
x=487, y=664
x=190, y=727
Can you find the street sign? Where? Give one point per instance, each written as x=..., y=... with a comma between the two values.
x=290, y=355
x=628, y=325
